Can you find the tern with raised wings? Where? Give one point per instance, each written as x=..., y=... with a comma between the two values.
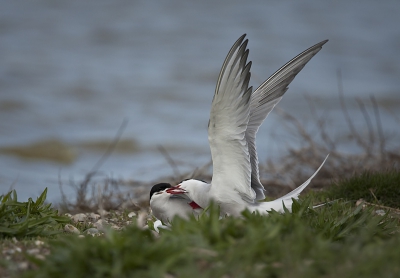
x=237, y=112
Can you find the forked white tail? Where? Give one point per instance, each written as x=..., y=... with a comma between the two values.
x=286, y=200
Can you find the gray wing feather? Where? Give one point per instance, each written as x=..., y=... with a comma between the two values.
x=264, y=99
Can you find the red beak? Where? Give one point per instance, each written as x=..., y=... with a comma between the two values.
x=176, y=190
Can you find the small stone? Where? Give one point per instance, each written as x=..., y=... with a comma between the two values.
x=131, y=214
x=93, y=216
x=80, y=217
x=100, y=224
x=103, y=212
x=40, y=257
x=92, y=231
x=115, y=227
x=23, y=265
x=71, y=229
x=33, y=251
x=360, y=202
x=8, y=252
x=38, y=242
x=380, y=212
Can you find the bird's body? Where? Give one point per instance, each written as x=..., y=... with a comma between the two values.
x=236, y=115
x=167, y=202
x=231, y=205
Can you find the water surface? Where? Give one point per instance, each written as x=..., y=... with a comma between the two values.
x=72, y=71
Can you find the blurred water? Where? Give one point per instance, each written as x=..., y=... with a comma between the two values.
x=73, y=70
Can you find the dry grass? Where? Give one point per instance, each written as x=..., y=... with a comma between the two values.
x=96, y=193
x=370, y=141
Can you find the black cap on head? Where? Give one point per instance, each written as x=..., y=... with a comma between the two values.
x=159, y=187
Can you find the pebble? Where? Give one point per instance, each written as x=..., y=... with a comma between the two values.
x=360, y=202
x=380, y=212
x=33, y=251
x=11, y=251
x=38, y=242
x=23, y=265
x=36, y=252
x=132, y=214
x=71, y=229
x=93, y=216
x=40, y=257
x=100, y=224
x=92, y=231
x=80, y=217
x=115, y=227
x=103, y=212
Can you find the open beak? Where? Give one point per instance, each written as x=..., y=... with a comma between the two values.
x=176, y=190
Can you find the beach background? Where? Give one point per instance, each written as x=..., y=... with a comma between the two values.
x=72, y=71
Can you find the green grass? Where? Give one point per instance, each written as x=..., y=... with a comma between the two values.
x=23, y=219
x=335, y=240
x=381, y=188
x=305, y=243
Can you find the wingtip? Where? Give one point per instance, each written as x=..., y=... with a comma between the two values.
x=241, y=38
x=316, y=46
x=323, y=42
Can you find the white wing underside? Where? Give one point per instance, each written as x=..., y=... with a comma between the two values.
x=236, y=115
x=229, y=117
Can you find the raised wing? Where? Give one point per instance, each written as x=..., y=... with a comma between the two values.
x=227, y=127
x=264, y=99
